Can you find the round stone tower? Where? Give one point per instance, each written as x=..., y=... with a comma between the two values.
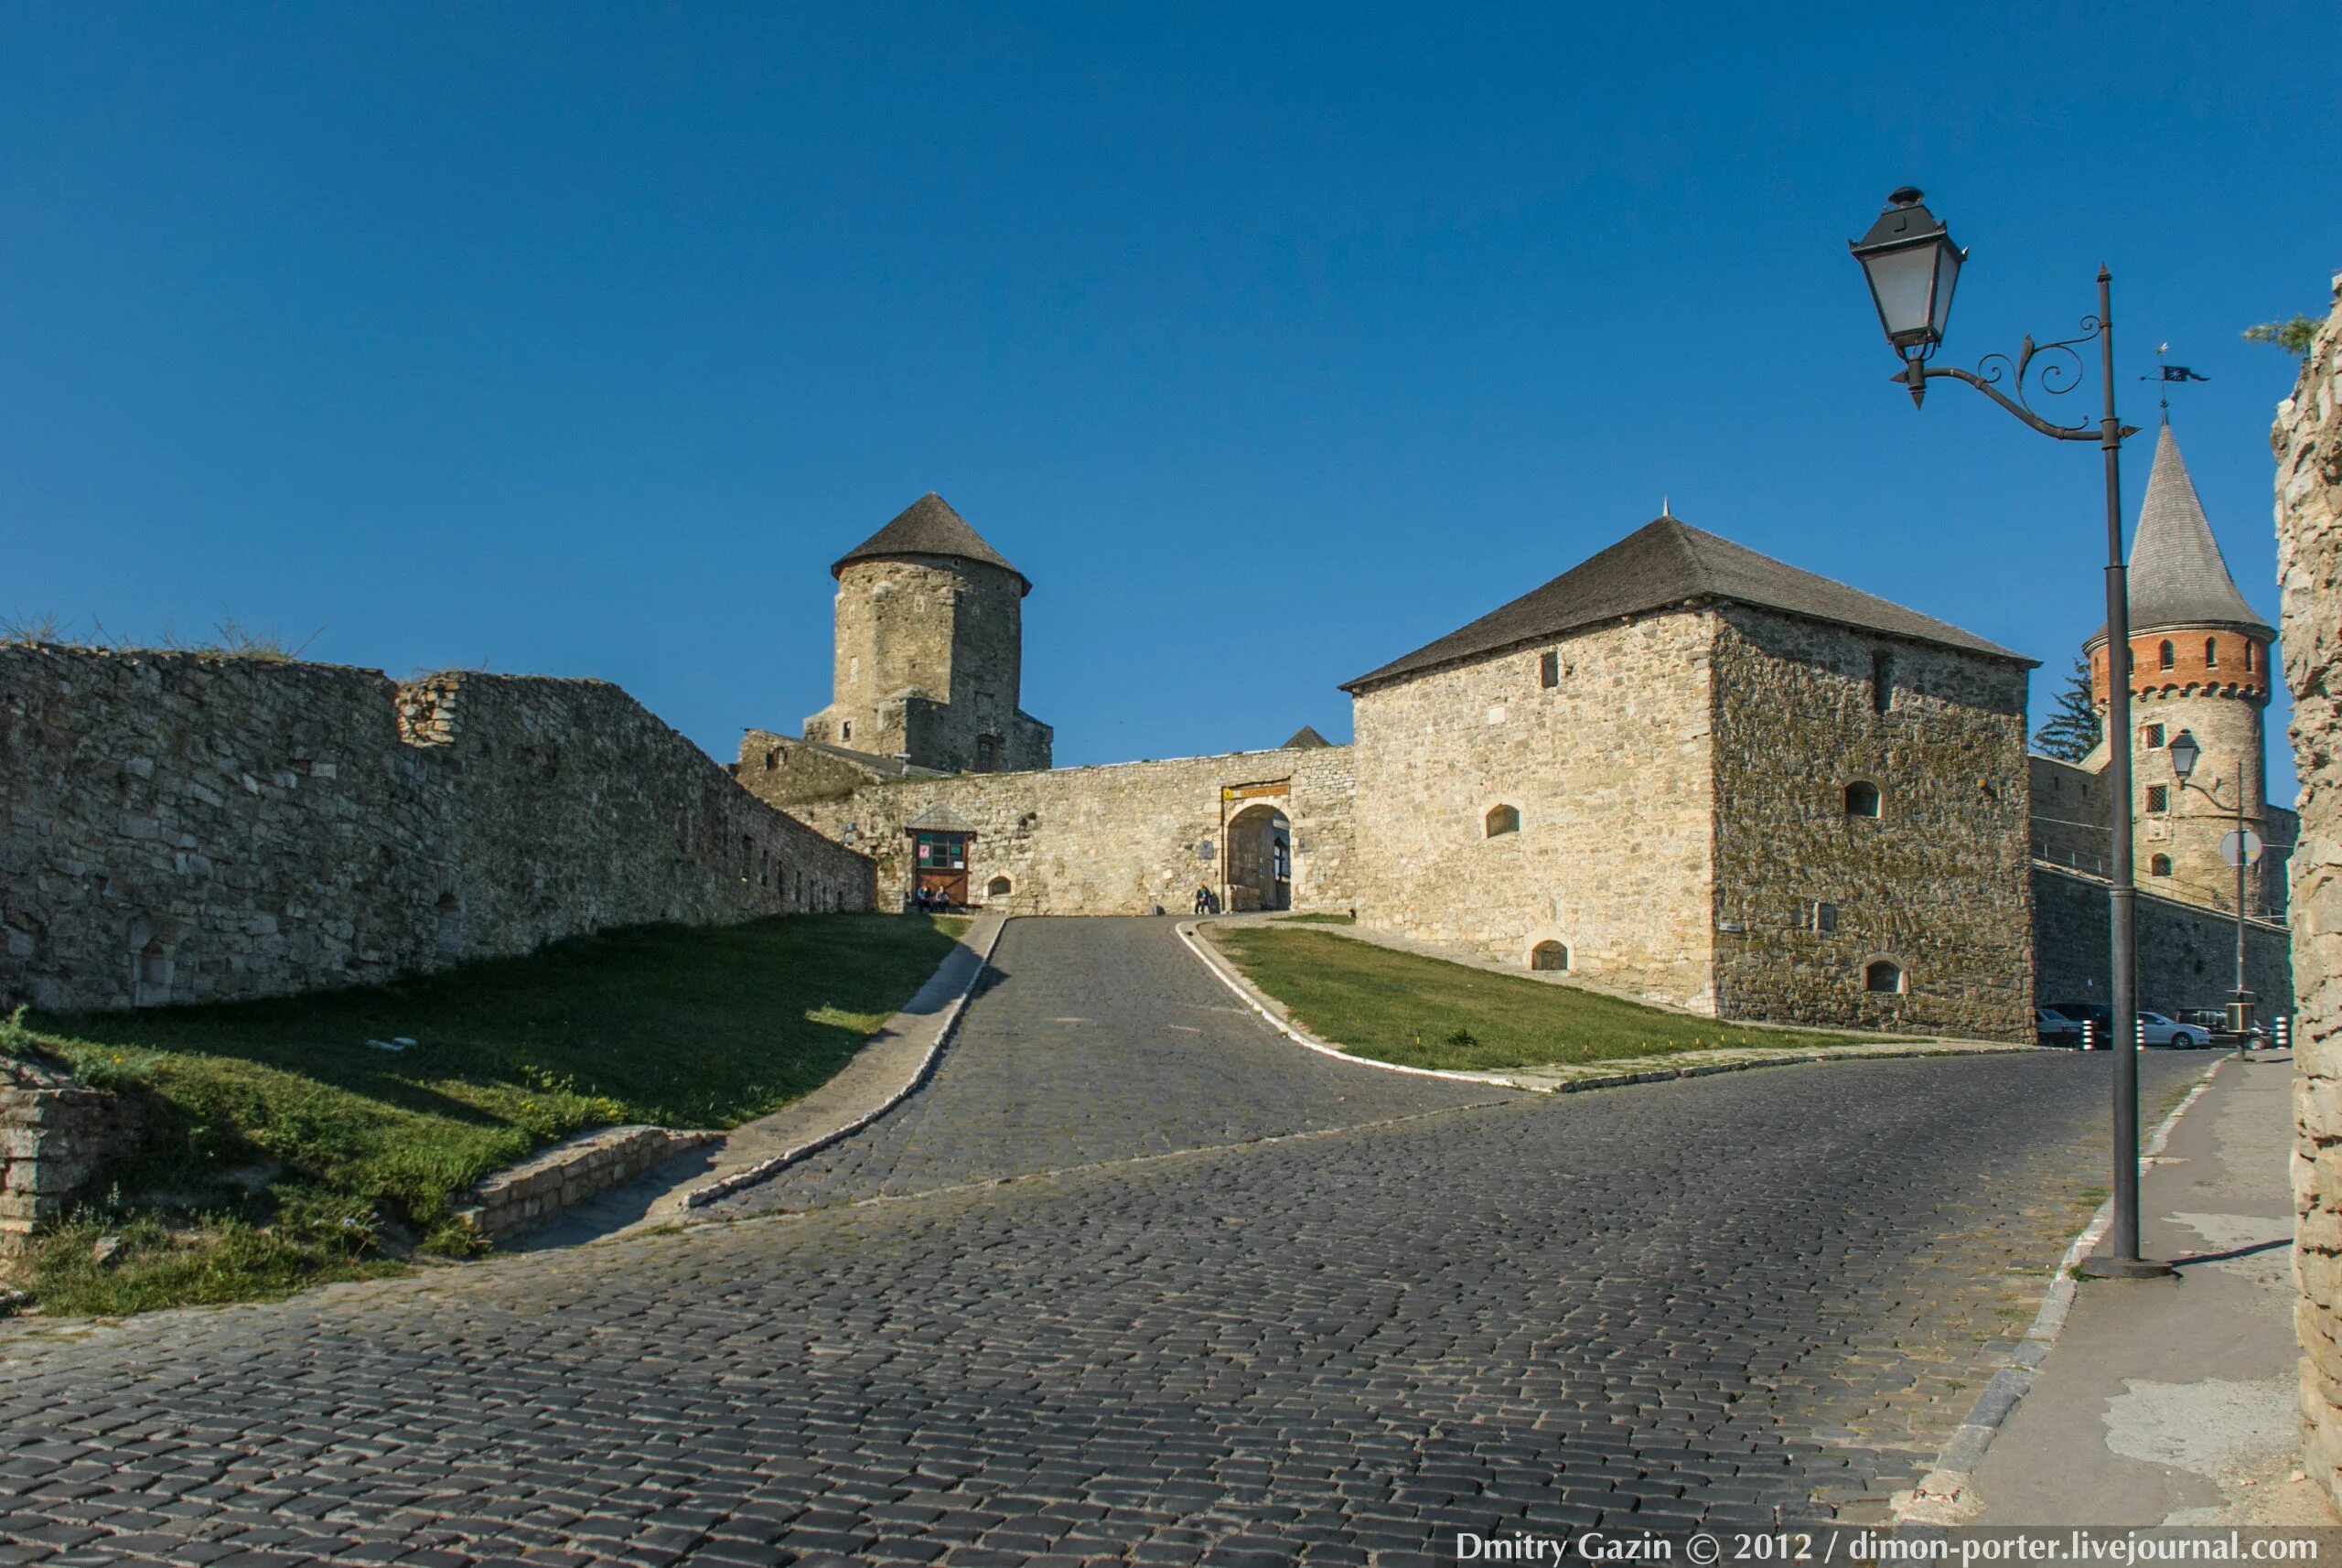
x=2199, y=663
x=929, y=650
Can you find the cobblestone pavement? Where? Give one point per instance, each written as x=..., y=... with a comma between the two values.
x=1695, y=1300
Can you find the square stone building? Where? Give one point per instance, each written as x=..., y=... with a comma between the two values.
x=1688, y=773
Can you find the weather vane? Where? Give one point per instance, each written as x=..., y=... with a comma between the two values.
x=2167, y=373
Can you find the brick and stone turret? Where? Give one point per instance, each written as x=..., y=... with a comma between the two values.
x=929, y=650
x=2199, y=663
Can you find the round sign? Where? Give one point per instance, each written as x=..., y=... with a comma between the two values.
x=2228, y=848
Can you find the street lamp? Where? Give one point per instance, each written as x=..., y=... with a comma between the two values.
x=2184, y=753
x=1912, y=266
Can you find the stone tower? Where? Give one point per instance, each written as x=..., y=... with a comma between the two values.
x=2199, y=663
x=929, y=650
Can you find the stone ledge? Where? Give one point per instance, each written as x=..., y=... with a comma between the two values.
x=541, y=1187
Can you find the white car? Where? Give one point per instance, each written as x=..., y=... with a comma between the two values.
x=2155, y=1029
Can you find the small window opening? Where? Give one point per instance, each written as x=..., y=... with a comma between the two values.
x=154, y=963
x=1823, y=918
x=2154, y=734
x=1881, y=681
x=2166, y=655
x=772, y=759
x=2211, y=653
x=1502, y=820
x=1862, y=798
x=1549, y=669
x=1551, y=957
x=987, y=753
x=2158, y=798
x=2248, y=654
x=846, y=730
x=2160, y=865
x=1883, y=977
x=998, y=887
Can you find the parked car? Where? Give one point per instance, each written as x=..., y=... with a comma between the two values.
x=2054, y=1028
x=2079, y=1013
x=2155, y=1029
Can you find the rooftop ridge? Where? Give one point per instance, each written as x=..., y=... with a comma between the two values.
x=929, y=526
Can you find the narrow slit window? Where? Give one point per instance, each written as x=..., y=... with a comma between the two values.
x=1549, y=669
x=1881, y=681
x=2211, y=653
x=2166, y=655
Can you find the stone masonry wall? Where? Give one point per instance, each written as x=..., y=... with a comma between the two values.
x=1116, y=840
x=2308, y=439
x=179, y=828
x=2186, y=953
x=1808, y=896
x=1610, y=772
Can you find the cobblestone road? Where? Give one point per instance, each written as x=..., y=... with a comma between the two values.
x=1348, y=1315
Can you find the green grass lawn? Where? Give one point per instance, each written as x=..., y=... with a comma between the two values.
x=1317, y=919
x=288, y=1149
x=1422, y=1011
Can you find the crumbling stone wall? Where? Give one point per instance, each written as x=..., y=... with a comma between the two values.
x=1811, y=893
x=1117, y=840
x=56, y=1135
x=1610, y=777
x=2308, y=439
x=176, y=827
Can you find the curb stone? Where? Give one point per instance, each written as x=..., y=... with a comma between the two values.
x=1945, y=1495
x=772, y=1166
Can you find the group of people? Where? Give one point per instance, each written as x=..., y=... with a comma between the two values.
x=933, y=899
x=1206, y=901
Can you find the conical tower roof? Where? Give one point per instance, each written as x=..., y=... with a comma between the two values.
x=929, y=527
x=2178, y=577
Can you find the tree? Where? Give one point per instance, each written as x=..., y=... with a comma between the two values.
x=2073, y=727
x=2294, y=336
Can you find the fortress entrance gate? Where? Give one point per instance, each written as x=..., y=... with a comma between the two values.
x=1256, y=836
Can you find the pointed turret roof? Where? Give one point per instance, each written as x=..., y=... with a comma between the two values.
x=929, y=527
x=2178, y=577
x=1660, y=565
x=1305, y=738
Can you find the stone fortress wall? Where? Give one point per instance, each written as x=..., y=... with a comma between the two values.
x=1121, y=839
x=2308, y=439
x=2186, y=953
x=1810, y=894
x=176, y=827
x=1607, y=774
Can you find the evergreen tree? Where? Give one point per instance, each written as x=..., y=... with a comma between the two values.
x=2074, y=726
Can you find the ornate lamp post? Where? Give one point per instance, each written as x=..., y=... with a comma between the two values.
x=2184, y=754
x=1913, y=266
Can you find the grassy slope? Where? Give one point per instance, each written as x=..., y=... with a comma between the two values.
x=683, y=1026
x=1398, y=1007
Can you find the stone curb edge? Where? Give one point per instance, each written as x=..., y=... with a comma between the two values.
x=1945, y=1495
x=773, y=1164
x=1252, y=998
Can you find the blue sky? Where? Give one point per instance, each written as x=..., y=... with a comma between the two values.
x=1270, y=341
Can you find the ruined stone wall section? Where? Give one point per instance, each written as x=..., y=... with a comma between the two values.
x=2308, y=439
x=56, y=1135
x=2186, y=953
x=1610, y=775
x=1810, y=888
x=1119, y=840
x=183, y=828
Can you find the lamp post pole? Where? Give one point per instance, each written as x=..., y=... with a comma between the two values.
x=1912, y=266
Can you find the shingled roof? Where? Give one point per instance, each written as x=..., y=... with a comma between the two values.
x=2178, y=577
x=1305, y=738
x=1665, y=564
x=929, y=527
